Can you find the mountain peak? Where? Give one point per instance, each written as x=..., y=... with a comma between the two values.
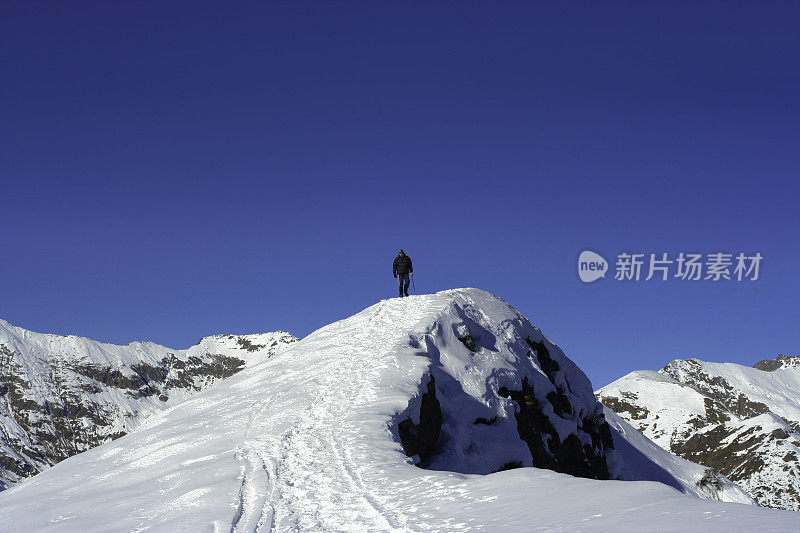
x=779, y=363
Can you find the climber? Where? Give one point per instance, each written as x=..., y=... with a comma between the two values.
x=402, y=269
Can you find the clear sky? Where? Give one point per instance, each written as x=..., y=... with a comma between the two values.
x=171, y=170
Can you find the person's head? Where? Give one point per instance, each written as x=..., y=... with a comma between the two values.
x=401, y=253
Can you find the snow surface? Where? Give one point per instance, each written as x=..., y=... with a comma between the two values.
x=304, y=441
x=644, y=460
x=671, y=405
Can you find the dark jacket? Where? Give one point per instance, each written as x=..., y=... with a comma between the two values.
x=402, y=265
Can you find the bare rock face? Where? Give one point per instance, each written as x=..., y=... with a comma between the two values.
x=420, y=439
x=738, y=421
x=548, y=450
x=63, y=395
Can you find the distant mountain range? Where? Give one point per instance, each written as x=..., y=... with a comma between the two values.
x=740, y=421
x=61, y=395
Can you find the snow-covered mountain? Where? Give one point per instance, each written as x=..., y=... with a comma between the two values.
x=740, y=421
x=61, y=395
x=412, y=415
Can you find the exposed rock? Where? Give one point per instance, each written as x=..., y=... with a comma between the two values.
x=691, y=373
x=546, y=363
x=420, y=439
x=468, y=341
x=249, y=346
x=782, y=361
x=625, y=404
x=569, y=456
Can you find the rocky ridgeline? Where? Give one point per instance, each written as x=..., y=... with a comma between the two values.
x=61, y=395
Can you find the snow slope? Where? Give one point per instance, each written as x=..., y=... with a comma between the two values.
x=640, y=459
x=60, y=395
x=309, y=441
x=737, y=420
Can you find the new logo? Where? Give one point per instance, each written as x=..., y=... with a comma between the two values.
x=591, y=266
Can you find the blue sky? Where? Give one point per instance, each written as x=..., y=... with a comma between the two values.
x=174, y=170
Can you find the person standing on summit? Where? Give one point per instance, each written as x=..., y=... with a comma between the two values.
x=402, y=269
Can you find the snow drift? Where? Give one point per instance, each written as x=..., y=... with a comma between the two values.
x=390, y=420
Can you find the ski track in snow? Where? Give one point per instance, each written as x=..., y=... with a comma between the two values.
x=306, y=479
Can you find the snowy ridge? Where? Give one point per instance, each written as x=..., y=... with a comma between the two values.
x=309, y=440
x=780, y=362
x=738, y=420
x=60, y=395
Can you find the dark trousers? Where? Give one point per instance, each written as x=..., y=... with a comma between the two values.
x=404, y=281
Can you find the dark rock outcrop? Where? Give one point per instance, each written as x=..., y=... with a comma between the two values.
x=569, y=456
x=691, y=373
x=420, y=439
x=782, y=361
x=468, y=341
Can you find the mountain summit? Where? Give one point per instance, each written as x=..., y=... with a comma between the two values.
x=415, y=414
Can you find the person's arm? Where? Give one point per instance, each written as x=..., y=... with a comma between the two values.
x=410, y=266
x=394, y=267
